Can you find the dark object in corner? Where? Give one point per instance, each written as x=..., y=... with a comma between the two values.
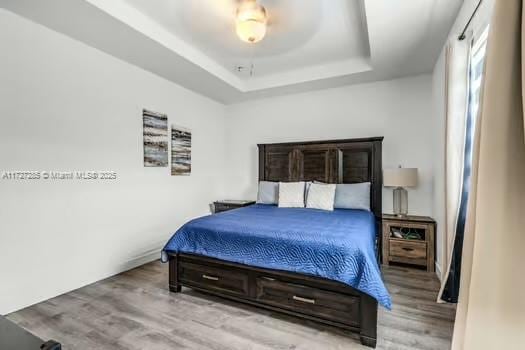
x=51, y=345
x=13, y=337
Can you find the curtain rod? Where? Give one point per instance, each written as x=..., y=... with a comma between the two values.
x=462, y=35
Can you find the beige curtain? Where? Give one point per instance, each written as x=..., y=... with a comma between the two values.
x=491, y=308
x=457, y=58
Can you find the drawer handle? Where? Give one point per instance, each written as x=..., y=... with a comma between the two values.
x=269, y=278
x=408, y=249
x=304, y=300
x=211, y=278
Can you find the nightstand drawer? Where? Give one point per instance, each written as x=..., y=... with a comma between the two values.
x=406, y=251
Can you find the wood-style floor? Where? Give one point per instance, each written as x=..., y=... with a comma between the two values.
x=135, y=310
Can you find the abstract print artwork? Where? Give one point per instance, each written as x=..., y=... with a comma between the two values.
x=155, y=139
x=180, y=151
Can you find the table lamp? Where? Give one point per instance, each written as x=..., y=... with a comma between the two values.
x=400, y=178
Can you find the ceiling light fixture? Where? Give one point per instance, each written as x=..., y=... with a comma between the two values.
x=251, y=21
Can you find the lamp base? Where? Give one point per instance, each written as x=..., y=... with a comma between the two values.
x=400, y=196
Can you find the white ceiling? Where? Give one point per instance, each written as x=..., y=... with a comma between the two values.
x=301, y=33
x=311, y=44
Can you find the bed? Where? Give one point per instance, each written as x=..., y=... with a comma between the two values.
x=314, y=264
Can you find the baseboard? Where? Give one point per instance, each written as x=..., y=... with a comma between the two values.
x=141, y=259
x=144, y=258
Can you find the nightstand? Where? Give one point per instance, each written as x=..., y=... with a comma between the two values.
x=225, y=205
x=409, y=240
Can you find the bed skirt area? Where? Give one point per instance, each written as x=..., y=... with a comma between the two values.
x=303, y=296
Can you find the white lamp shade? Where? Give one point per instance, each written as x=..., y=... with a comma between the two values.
x=400, y=177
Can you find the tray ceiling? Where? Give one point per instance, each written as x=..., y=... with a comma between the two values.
x=301, y=33
x=310, y=44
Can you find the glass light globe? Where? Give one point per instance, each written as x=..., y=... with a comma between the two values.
x=251, y=22
x=251, y=31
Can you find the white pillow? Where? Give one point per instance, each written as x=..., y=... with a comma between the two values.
x=353, y=196
x=268, y=192
x=321, y=196
x=291, y=194
x=308, y=184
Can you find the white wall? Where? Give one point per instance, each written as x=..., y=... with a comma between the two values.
x=438, y=141
x=65, y=106
x=400, y=110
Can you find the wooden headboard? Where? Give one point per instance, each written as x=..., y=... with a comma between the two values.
x=333, y=161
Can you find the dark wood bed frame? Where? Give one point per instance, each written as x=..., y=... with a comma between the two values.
x=304, y=296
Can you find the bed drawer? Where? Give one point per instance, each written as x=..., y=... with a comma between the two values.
x=413, y=252
x=310, y=301
x=213, y=279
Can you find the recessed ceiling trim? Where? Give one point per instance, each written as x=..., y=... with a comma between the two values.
x=138, y=21
x=301, y=75
x=328, y=44
x=124, y=12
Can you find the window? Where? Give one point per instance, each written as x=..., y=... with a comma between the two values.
x=476, y=70
x=477, y=64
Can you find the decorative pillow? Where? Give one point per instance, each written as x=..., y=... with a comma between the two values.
x=268, y=192
x=308, y=184
x=291, y=194
x=307, y=188
x=321, y=196
x=353, y=196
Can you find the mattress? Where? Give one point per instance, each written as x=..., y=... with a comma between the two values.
x=337, y=245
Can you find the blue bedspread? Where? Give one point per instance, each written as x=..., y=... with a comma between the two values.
x=337, y=245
